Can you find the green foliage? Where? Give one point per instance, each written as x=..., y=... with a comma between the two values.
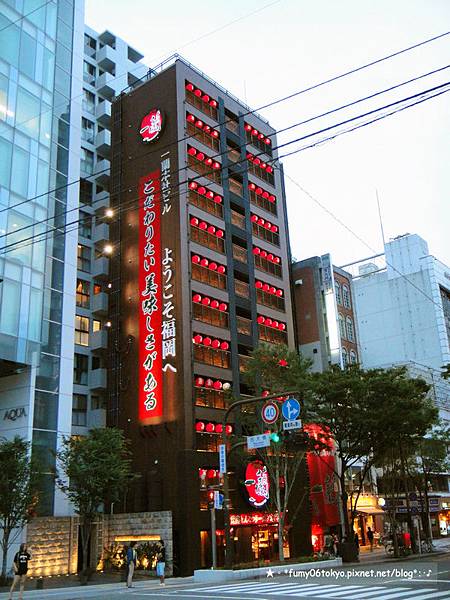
x=19, y=478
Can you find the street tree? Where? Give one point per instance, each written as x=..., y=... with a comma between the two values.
x=19, y=480
x=272, y=370
x=92, y=470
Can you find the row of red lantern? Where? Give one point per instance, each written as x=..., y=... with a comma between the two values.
x=208, y=473
x=259, y=163
x=269, y=289
x=268, y=322
x=211, y=265
x=210, y=384
x=255, y=133
x=212, y=343
x=210, y=427
x=201, y=156
x=267, y=255
x=204, y=226
x=198, y=92
x=259, y=191
x=198, y=299
x=199, y=124
x=204, y=191
x=263, y=223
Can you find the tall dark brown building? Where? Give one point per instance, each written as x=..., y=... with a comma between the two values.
x=200, y=276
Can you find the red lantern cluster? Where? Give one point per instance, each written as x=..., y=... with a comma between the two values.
x=204, y=191
x=211, y=302
x=266, y=255
x=283, y=362
x=259, y=191
x=255, y=133
x=268, y=322
x=209, y=264
x=190, y=87
x=210, y=427
x=208, y=473
x=202, y=157
x=269, y=289
x=211, y=343
x=264, y=223
x=199, y=124
x=209, y=383
x=204, y=226
x=259, y=163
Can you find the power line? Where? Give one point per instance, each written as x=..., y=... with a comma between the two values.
x=25, y=16
x=64, y=213
x=130, y=204
x=270, y=104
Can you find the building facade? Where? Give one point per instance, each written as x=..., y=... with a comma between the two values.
x=325, y=313
x=200, y=276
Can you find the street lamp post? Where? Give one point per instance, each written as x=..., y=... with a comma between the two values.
x=225, y=489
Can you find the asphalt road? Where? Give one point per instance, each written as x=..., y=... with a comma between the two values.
x=425, y=579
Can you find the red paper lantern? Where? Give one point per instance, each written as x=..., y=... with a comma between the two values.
x=257, y=161
x=199, y=426
x=198, y=338
x=273, y=290
x=207, y=341
x=215, y=304
x=210, y=427
x=263, y=254
x=211, y=229
x=268, y=225
x=190, y=118
x=189, y=87
x=256, y=251
x=254, y=132
x=260, y=136
x=275, y=324
x=252, y=186
x=268, y=322
x=219, y=427
x=199, y=381
x=201, y=190
x=204, y=262
x=219, y=233
x=199, y=124
x=209, y=383
x=221, y=269
x=279, y=293
x=247, y=127
x=223, y=307
x=272, y=198
x=216, y=165
x=206, y=301
x=265, y=393
x=267, y=141
x=270, y=257
x=213, y=103
x=210, y=473
x=269, y=169
x=281, y=326
x=224, y=346
x=195, y=259
x=277, y=260
x=200, y=156
x=192, y=151
x=282, y=362
x=259, y=191
x=193, y=185
x=229, y=429
x=203, y=225
x=263, y=165
x=209, y=162
x=210, y=195
x=215, y=133
x=218, y=199
x=215, y=344
x=207, y=128
x=274, y=228
x=213, y=266
x=198, y=93
x=260, y=320
x=254, y=218
x=261, y=221
x=266, y=287
x=258, y=285
x=197, y=298
x=217, y=385
x=205, y=98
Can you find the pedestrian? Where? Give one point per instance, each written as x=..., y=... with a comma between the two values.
x=20, y=567
x=328, y=544
x=370, y=538
x=356, y=541
x=131, y=563
x=335, y=544
x=161, y=562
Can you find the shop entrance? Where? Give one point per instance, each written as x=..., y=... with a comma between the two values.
x=256, y=544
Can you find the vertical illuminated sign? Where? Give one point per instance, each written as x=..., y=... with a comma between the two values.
x=157, y=322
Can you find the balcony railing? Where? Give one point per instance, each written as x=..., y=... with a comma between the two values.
x=209, y=277
x=234, y=156
x=244, y=362
x=211, y=356
x=207, y=239
x=233, y=126
x=236, y=187
x=243, y=325
x=241, y=288
x=239, y=253
x=209, y=315
x=209, y=397
x=209, y=206
x=238, y=219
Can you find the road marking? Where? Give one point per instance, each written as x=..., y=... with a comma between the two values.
x=402, y=595
x=432, y=595
x=374, y=591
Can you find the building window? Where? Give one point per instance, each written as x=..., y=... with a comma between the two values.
x=206, y=314
x=88, y=72
x=353, y=357
x=81, y=330
x=267, y=265
x=84, y=258
x=265, y=230
x=207, y=275
x=96, y=325
x=344, y=357
x=97, y=402
x=82, y=293
x=262, y=198
x=87, y=130
x=87, y=161
x=79, y=410
x=207, y=236
x=84, y=225
x=196, y=97
x=342, y=327
x=90, y=45
x=202, y=132
x=271, y=335
x=350, y=330
x=80, y=369
x=346, y=296
x=86, y=192
x=205, y=199
x=88, y=102
x=212, y=356
x=269, y=299
x=211, y=397
x=338, y=292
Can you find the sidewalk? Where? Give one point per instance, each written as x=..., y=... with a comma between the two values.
x=441, y=545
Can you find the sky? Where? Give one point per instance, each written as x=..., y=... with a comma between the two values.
x=264, y=50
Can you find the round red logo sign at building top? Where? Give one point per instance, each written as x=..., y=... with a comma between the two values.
x=151, y=125
x=257, y=483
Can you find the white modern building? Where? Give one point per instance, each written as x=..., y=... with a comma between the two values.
x=403, y=308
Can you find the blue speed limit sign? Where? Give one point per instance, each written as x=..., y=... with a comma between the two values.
x=270, y=413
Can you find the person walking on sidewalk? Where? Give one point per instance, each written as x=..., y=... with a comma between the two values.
x=370, y=538
x=20, y=566
x=131, y=563
x=161, y=563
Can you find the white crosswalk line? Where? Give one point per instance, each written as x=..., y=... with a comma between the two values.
x=368, y=592
x=401, y=595
x=321, y=589
x=431, y=595
x=344, y=590
x=321, y=592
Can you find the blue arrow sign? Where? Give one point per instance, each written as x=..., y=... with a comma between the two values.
x=290, y=409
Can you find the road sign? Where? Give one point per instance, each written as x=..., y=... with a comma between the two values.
x=258, y=441
x=218, y=500
x=290, y=409
x=270, y=412
x=222, y=459
x=295, y=424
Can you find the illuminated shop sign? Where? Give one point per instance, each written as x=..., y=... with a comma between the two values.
x=254, y=519
x=257, y=483
x=157, y=324
x=151, y=125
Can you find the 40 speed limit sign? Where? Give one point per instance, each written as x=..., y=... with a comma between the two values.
x=270, y=413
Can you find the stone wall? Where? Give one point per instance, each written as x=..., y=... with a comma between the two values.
x=53, y=541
